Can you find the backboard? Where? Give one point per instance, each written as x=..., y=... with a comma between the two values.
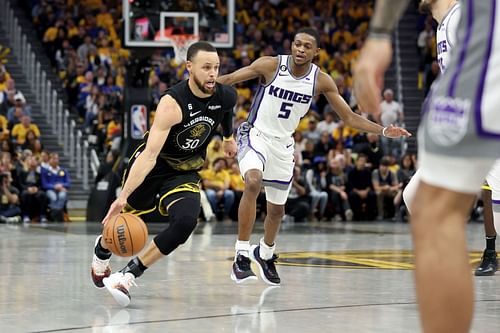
x=148, y=22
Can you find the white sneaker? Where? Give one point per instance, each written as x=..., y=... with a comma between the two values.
x=100, y=269
x=118, y=285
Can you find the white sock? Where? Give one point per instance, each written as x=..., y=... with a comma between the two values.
x=243, y=248
x=266, y=251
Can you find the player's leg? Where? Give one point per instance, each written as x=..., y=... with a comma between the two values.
x=143, y=199
x=489, y=263
x=263, y=254
x=183, y=209
x=410, y=190
x=444, y=288
x=440, y=211
x=251, y=160
x=491, y=199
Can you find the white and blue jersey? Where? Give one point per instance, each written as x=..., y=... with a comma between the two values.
x=265, y=141
x=279, y=105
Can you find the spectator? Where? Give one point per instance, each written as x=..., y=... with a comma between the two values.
x=56, y=182
x=362, y=198
x=297, y=207
x=386, y=187
x=216, y=185
x=20, y=131
x=328, y=124
x=317, y=186
x=85, y=48
x=10, y=212
x=391, y=114
x=20, y=109
x=336, y=181
x=34, y=201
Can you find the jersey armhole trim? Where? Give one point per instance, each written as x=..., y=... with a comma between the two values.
x=275, y=73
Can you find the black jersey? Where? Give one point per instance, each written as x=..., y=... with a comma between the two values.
x=186, y=144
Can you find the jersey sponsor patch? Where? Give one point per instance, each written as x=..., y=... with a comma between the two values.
x=449, y=119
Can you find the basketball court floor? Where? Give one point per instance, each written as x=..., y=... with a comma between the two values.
x=336, y=277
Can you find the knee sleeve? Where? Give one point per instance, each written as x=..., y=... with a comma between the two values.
x=183, y=216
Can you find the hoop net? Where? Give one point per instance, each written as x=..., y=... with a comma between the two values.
x=181, y=44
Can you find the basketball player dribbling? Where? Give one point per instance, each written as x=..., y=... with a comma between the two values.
x=288, y=83
x=447, y=14
x=459, y=141
x=163, y=172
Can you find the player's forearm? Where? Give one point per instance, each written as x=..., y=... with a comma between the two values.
x=363, y=124
x=138, y=172
x=387, y=13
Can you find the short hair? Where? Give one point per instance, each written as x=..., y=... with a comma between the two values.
x=311, y=32
x=199, y=46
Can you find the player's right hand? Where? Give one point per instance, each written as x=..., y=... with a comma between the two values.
x=115, y=209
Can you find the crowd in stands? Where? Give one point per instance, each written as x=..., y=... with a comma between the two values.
x=340, y=173
x=32, y=184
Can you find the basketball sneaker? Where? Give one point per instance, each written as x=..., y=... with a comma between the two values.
x=267, y=268
x=242, y=271
x=488, y=265
x=100, y=268
x=118, y=285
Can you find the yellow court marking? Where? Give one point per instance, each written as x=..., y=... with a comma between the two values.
x=376, y=259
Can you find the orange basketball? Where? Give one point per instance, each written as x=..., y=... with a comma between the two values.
x=125, y=235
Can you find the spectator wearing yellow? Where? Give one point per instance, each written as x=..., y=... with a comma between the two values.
x=214, y=150
x=4, y=134
x=4, y=77
x=216, y=183
x=20, y=130
x=104, y=18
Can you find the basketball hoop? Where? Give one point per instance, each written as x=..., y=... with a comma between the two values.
x=181, y=44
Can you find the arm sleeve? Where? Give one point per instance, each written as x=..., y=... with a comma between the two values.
x=229, y=101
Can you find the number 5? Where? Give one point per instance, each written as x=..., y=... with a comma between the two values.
x=285, y=110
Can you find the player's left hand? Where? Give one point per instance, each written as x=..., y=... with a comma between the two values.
x=395, y=132
x=369, y=70
x=229, y=147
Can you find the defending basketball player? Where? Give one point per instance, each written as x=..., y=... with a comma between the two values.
x=458, y=144
x=265, y=151
x=447, y=14
x=163, y=173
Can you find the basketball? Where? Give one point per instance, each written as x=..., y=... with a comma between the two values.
x=125, y=235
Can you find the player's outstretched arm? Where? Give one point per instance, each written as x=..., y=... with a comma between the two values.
x=376, y=54
x=168, y=113
x=326, y=86
x=262, y=67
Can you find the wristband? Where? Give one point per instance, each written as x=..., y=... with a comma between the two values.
x=380, y=33
x=224, y=139
x=383, y=132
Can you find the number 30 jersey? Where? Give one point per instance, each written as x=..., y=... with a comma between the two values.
x=279, y=105
x=186, y=144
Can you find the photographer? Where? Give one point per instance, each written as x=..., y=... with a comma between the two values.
x=10, y=212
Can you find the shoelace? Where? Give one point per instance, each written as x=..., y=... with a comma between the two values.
x=129, y=281
x=271, y=262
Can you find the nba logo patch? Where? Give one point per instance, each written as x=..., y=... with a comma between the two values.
x=138, y=121
x=448, y=120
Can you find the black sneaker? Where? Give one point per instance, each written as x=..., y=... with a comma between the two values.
x=267, y=268
x=488, y=265
x=242, y=271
